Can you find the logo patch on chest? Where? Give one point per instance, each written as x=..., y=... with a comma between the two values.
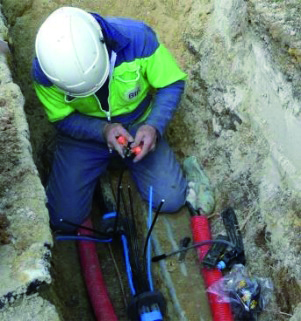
x=133, y=93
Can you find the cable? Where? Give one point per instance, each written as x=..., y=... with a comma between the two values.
x=127, y=244
x=135, y=266
x=147, y=264
x=128, y=264
x=118, y=202
x=140, y=270
x=149, y=261
x=198, y=244
x=147, y=247
x=118, y=275
x=86, y=228
x=150, y=231
x=136, y=247
x=81, y=238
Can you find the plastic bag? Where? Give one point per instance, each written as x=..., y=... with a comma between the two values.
x=247, y=295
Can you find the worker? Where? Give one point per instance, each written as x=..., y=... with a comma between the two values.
x=100, y=79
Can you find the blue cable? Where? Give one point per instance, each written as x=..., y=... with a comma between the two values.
x=126, y=254
x=86, y=238
x=149, y=246
x=109, y=215
x=128, y=264
x=80, y=238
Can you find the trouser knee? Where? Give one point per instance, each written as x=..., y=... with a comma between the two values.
x=174, y=199
x=65, y=212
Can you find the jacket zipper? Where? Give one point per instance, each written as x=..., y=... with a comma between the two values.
x=112, y=65
x=108, y=114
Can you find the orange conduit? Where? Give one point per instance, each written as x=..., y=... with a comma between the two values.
x=98, y=294
x=201, y=232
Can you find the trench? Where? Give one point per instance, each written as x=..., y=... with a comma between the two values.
x=230, y=149
x=68, y=290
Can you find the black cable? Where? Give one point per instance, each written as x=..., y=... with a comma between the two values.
x=118, y=203
x=86, y=228
x=135, y=245
x=150, y=231
x=134, y=264
x=198, y=244
x=133, y=221
x=118, y=215
x=192, y=210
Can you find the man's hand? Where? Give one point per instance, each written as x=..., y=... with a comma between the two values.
x=146, y=137
x=112, y=132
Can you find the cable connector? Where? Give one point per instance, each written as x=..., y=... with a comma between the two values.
x=215, y=252
x=151, y=314
x=147, y=306
x=230, y=258
x=235, y=255
x=128, y=151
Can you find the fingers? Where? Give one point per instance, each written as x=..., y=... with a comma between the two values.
x=114, y=145
x=138, y=139
x=145, y=137
x=127, y=135
x=120, y=131
x=144, y=151
x=118, y=148
x=112, y=132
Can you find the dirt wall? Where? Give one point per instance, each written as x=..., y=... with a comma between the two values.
x=25, y=237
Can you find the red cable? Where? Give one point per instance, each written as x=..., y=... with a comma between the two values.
x=102, y=306
x=201, y=232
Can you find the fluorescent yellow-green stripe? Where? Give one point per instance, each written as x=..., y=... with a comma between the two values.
x=161, y=68
x=157, y=71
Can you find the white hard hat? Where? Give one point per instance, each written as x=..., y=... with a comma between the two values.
x=71, y=51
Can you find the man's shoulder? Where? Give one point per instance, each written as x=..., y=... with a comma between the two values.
x=38, y=75
x=129, y=26
x=142, y=37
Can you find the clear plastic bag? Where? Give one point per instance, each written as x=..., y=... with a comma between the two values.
x=248, y=295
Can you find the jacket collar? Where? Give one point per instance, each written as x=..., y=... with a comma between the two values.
x=114, y=39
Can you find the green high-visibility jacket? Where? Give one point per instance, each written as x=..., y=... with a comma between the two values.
x=142, y=64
